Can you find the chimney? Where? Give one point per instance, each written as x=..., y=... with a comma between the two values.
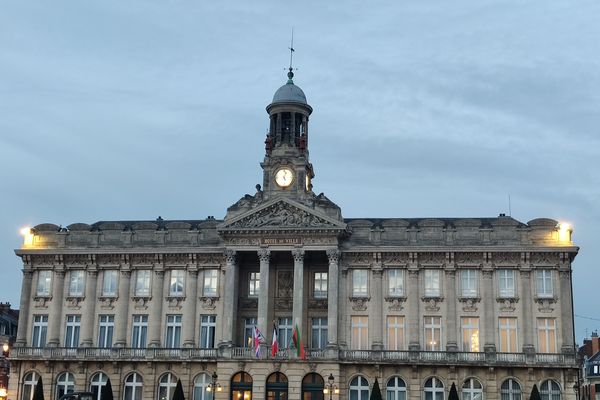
x=595, y=342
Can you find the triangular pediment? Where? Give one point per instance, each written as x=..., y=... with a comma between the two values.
x=282, y=214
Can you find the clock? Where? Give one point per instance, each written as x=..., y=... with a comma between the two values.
x=284, y=177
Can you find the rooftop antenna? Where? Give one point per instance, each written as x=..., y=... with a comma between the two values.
x=291, y=69
x=509, y=209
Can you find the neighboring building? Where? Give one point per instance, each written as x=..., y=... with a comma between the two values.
x=8, y=334
x=590, y=378
x=418, y=303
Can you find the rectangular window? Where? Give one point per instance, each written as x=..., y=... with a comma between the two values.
x=433, y=333
x=106, y=328
x=44, y=286
x=546, y=335
x=544, y=283
x=320, y=289
x=359, y=333
x=395, y=333
x=470, y=333
x=506, y=282
x=468, y=283
x=395, y=282
x=254, y=284
x=177, y=284
x=40, y=330
x=360, y=283
x=173, y=334
x=142, y=283
x=208, y=324
x=432, y=283
x=139, y=332
x=211, y=280
x=110, y=283
x=72, y=330
x=508, y=335
x=249, y=324
x=284, y=332
x=76, y=283
x=319, y=333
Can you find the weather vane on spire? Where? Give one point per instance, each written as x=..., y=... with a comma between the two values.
x=291, y=73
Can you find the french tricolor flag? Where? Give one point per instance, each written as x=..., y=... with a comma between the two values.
x=274, y=344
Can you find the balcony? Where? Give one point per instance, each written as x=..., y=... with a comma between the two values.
x=342, y=356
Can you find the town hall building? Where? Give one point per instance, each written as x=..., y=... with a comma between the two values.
x=416, y=303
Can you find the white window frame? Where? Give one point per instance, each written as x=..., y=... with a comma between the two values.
x=110, y=283
x=360, y=283
x=395, y=278
x=98, y=381
x=201, y=384
x=177, y=283
x=285, y=327
x=173, y=329
x=44, y=284
x=359, y=335
x=77, y=283
x=544, y=279
x=432, y=283
x=546, y=329
x=166, y=386
x=433, y=387
x=432, y=327
x=471, y=391
x=550, y=390
x=143, y=283
x=210, y=287
x=29, y=381
x=253, y=284
x=39, y=331
x=208, y=327
x=359, y=384
x=506, y=283
x=72, y=330
x=468, y=283
x=395, y=332
x=249, y=324
x=139, y=331
x=510, y=390
x=470, y=334
x=508, y=327
x=106, y=330
x=65, y=383
x=133, y=388
x=319, y=331
x=395, y=388
x=320, y=285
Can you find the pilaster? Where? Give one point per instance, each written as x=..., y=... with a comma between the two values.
x=229, y=298
x=55, y=318
x=264, y=255
x=333, y=255
x=189, y=308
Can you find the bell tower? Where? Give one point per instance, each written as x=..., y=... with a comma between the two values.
x=286, y=167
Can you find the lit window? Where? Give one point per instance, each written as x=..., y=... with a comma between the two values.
x=546, y=335
x=166, y=386
x=177, y=284
x=254, y=284
x=550, y=390
x=359, y=388
x=133, y=387
x=320, y=289
x=395, y=282
x=76, y=283
x=249, y=324
x=544, y=283
x=508, y=334
x=468, y=283
x=360, y=333
x=510, y=390
x=139, y=331
x=472, y=390
x=360, y=283
x=470, y=334
x=208, y=324
x=142, y=283
x=433, y=333
x=109, y=285
x=506, y=282
x=173, y=333
x=319, y=333
x=211, y=279
x=432, y=283
x=44, y=286
x=73, y=325
x=395, y=389
x=395, y=328
x=434, y=389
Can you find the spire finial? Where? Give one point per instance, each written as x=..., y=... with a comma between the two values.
x=290, y=74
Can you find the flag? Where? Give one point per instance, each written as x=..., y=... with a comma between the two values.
x=298, y=343
x=274, y=344
x=258, y=338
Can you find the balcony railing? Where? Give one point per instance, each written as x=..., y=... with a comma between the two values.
x=243, y=353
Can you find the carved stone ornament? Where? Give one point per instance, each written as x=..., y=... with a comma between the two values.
x=432, y=258
x=281, y=214
x=432, y=303
x=388, y=259
x=230, y=256
x=545, y=259
x=469, y=304
x=174, y=302
x=248, y=303
x=209, y=303
x=177, y=259
x=470, y=258
x=358, y=258
x=42, y=301
x=283, y=303
x=312, y=366
x=298, y=255
x=506, y=258
x=141, y=302
x=210, y=259
x=507, y=304
x=333, y=255
x=73, y=302
x=318, y=304
x=243, y=241
x=143, y=259
x=107, y=303
x=359, y=303
x=545, y=304
x=285, y=283
x=395, y=303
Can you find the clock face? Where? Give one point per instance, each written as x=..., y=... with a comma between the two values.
x=284, y=177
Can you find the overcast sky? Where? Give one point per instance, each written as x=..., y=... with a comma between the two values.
x=130, y=110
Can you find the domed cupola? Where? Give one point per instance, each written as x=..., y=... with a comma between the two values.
x=289, y=93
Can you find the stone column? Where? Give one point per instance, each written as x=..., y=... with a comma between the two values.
x=122, y=315
x=24, y=309
x=229, y=298
x=528, y=316
x=489, y=317
x=566, y=312
x=451, y=331
x=55, y=317
x=263, y=296
x=413, y=303
x=332, y=298
x=376, y=312
x=298, y=303
x=155, y=320
x=88, y=317
x=189, y=309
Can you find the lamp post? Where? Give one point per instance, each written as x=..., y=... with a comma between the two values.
x=4, y=371
x=214, y=386
x=331, y=387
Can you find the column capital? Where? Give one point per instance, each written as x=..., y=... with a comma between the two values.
x=264, y=254
x=230, y=256
x=298, y=255
x=333, y=255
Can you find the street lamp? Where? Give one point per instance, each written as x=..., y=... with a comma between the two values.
x=214, y=386
x=330, y=387
x=5, y=349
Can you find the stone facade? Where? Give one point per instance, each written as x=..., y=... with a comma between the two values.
x=485, y=303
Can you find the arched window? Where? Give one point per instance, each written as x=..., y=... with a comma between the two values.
x=395, y=389
x=133, y=387
x=241, y=386
x=434, y=389
x=472, y=390
x=510, y=390
x=550, y=390
x=201, y=383
x=277, y=386
x=359, y=388
x=166, y=386
x=29, y=381
x=312, y=387
x=97, y=382
x=65, y=383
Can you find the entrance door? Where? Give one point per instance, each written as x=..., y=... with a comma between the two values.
x=277, y=386
x=312, y=387
x=241, y=386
